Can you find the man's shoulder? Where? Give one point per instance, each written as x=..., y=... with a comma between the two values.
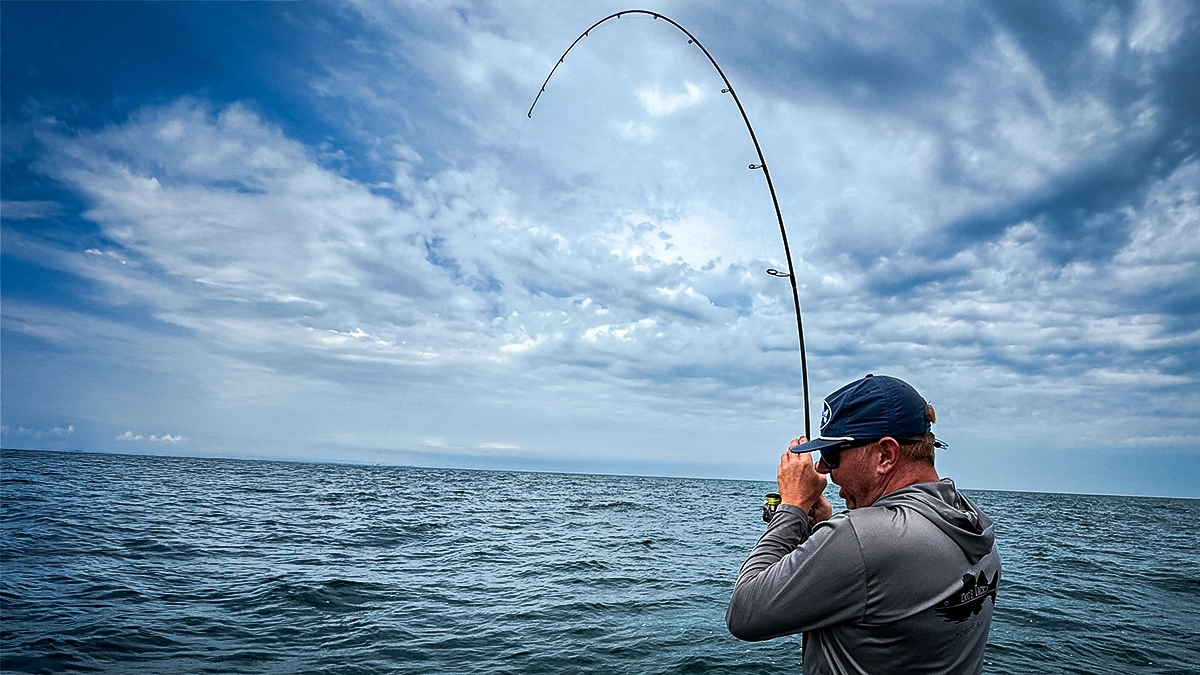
x=896, y=511
x=889, y=522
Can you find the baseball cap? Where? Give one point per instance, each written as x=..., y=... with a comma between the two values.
x=867, y=410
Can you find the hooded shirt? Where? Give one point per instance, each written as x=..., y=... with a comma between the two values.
x=906, y=585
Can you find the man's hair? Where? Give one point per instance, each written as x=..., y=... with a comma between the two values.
x=920, y=448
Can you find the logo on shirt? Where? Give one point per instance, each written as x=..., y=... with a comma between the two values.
x=967, y=601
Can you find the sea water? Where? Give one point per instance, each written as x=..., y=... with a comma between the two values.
x=123, y=564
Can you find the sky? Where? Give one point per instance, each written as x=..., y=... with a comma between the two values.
x=328, y=231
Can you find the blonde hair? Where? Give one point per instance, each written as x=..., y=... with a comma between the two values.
x=921, y=448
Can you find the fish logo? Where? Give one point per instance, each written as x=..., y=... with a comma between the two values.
x=825, y=414
x=967, y=601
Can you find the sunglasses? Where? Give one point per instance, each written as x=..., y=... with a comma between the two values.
x=832, y=454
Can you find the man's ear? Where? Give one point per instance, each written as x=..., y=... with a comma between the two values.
x=888, y=450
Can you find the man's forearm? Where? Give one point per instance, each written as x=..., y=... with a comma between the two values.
x=787, y=530
x=745, y=617
x=799, y=577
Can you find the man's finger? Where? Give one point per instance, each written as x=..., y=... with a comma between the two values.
x=790, y=456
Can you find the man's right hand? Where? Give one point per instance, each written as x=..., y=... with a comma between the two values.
x=800, y=484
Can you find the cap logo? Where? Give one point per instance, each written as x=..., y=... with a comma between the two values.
x=825, y=414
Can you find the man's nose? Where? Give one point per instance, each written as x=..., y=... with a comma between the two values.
x=821, y=466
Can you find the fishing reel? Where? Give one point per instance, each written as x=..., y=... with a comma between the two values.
x=770, y=505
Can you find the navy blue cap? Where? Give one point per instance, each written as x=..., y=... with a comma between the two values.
x=867, y=410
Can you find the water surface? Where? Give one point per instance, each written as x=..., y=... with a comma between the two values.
x=123, y=564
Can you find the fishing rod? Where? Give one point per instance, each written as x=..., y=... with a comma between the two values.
x=762, y=165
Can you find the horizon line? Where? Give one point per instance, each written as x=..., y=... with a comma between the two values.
x=351, y=462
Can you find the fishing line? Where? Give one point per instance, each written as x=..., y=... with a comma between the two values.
x=790, y=275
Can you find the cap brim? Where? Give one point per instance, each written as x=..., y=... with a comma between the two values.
x=814, y=445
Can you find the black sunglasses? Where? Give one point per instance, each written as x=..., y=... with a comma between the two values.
x=832, y=454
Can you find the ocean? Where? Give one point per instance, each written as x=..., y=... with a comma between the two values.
x=132, y=564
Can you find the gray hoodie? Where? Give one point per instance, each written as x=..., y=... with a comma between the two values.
x=906, y=585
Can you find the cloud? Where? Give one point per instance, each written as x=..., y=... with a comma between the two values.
x=499, y=446
x=129, y=436
x=638, y=131
x=454, y=280
x=28, y=209
x=38, y=433
x=1007, y=220
x=659, y=104
x=109, y=254
x=456, y=284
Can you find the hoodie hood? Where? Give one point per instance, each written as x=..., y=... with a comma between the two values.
x=944, y=506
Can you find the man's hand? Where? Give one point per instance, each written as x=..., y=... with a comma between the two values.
x=821, y=511
x=800, y=484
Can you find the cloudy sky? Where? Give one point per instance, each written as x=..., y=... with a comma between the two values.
x=328, y=231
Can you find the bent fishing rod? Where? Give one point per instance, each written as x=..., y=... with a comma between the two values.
x=761, y=165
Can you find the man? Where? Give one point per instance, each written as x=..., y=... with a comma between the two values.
x=905, y=580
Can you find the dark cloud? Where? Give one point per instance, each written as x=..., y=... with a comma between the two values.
x=869, y=56
x=912, y=62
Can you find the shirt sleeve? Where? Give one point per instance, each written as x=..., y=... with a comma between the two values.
x=793, y=582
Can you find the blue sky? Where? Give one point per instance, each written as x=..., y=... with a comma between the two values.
x=328, y=231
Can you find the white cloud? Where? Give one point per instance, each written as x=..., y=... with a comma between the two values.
x=499, y=446
x=637, y=131
x=38, y=433
x=291, y=263
x=459, y=287
x=1156, y=26
x=659, y=104
x=129, y=436
x=11, y=209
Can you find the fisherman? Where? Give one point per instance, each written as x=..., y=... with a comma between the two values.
x=905, y=580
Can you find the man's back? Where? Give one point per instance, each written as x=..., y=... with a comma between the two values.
x=906, y=585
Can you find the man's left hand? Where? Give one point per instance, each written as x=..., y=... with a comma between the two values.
x=821, y=511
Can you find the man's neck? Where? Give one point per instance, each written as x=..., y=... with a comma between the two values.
x=909, y=474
